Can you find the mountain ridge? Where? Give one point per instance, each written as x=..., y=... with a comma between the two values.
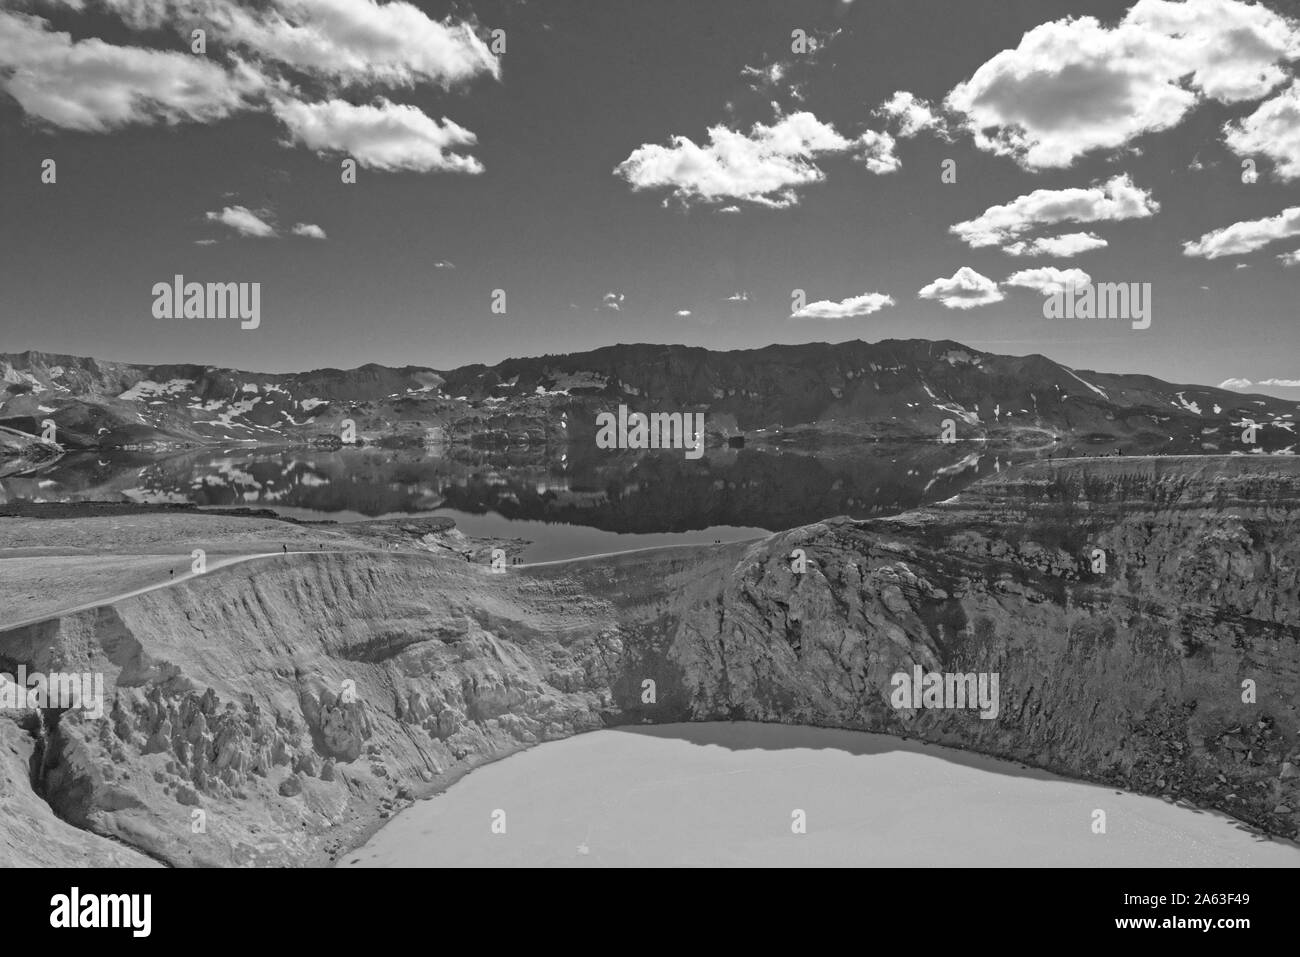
x=894, y=388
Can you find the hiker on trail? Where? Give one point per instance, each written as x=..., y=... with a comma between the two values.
x=171, y=573
x=285, y=548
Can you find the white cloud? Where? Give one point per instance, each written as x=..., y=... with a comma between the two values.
x=309, y=230
x=1065, y=245
x=863, y=305
x=775, y=77
x=243, y=221
x=1049, y=280
x=1273, y=130
x=683, y=313
x=912, y=114
x=352, y=41
x=790, y=77
x=1116, y=199
x=738, y=297
x=965, y=290
x=613, y=300
x=94, y=87
x=766, y=166
x=1073, y=86
x=875, y=151
x=1246, y=383
x=384, y=136
x=770, y=75
x=443, y=264
x=1245, y=237
x=1234, y=50
x=1291, y=258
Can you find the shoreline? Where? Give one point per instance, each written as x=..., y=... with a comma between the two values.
x=981, y=761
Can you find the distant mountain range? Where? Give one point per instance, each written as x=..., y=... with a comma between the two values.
x=815, y=393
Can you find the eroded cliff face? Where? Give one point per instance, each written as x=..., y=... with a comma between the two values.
x=31, y=835
x=1135, y=675
x=296, y=703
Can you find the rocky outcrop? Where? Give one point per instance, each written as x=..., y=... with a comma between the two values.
x=295, y=705
x=31, y=835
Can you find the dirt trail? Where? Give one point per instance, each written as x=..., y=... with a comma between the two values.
x=176, y=580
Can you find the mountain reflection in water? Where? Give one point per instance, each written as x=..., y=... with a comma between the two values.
x=640, y=492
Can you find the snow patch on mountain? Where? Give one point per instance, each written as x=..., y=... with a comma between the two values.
x=1100, y=392
x=148, y=389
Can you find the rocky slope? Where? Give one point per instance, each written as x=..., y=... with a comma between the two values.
x=30, y=834
x=1132, y=675
x=297, y=703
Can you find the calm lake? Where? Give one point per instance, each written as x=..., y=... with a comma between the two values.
x=724, y=794
x=750, y=491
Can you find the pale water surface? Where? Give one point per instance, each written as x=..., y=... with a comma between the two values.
x=723, y=794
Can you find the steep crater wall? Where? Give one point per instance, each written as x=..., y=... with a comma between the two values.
x=291, y=705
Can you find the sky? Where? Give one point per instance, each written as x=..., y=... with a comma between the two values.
x=720, y=173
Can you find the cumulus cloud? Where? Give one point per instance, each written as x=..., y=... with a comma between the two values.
x=613, y=300
x=863, y=305
x=351, y=41
x=95, y=87
x=875, y=151
x=683, y=313
x=1065, y=245
x=384, y=135
x=1245, y=237
x=1116, y=199
x=1074, y=85
x=266, y=55
x=1273, y=130
x=965, y=290
x=309, y=230
x=912, y=115
x=1049, y=280
x=1291, y=258
x=766, y=166
x=1235, y=384
x=243, y=221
